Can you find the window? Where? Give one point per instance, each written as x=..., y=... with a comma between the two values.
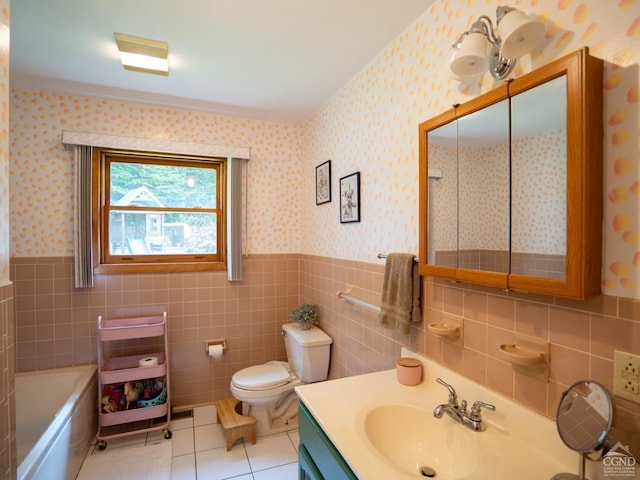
x=155, y=212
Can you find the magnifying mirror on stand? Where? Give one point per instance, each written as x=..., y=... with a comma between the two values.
x=584, y=420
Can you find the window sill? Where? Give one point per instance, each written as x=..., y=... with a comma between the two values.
x=160, y=267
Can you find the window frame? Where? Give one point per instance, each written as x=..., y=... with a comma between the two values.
x=105, y=262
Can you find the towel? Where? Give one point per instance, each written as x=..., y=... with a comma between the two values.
x=400, y=303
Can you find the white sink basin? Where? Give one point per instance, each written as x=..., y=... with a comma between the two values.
x=410, y=441
x=411, y=438
x=387, y=430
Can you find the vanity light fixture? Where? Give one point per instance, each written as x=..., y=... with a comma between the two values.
x=516, y=35
x=142, y=54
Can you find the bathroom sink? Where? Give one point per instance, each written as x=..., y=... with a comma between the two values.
x=418, y=444
x=383, y=429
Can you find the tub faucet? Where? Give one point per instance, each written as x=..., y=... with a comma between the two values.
x=458, y=412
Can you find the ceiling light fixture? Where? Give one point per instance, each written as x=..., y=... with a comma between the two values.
x=142, y=54
x=516, y=35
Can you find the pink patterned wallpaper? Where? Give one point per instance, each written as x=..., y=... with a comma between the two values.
x=484, y=197
x=42, y=173
x=443, y=204
x=371, y=126
x=535, y=213
x=484, y=172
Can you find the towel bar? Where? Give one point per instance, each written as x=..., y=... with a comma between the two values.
x=360, y=303
x=384, y=255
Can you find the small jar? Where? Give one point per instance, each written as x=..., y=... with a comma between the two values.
x=409, y=371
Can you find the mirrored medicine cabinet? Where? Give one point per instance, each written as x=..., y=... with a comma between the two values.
x=517, y=201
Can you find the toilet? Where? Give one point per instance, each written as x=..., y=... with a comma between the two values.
x=266, y=391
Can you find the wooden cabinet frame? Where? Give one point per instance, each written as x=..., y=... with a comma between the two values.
x=584, y=188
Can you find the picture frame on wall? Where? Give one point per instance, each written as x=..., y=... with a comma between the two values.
x=323, y=183
x=350, y=198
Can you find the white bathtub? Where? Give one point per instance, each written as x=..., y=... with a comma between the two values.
x=56, y=420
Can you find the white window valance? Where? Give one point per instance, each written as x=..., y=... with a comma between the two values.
x=154, y=145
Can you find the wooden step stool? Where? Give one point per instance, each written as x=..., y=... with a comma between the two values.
x=235, y=425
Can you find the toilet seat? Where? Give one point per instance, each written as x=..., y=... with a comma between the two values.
x=262, y=377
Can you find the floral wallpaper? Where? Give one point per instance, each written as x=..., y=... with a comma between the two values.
x=538, y=205
x=484, y=197
x=42, y=172
x=443, y=200
x=371, y=126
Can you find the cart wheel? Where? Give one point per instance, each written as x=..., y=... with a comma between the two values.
x=102, y=445
x=167, y=433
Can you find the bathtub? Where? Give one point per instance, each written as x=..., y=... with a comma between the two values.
x=56, y=420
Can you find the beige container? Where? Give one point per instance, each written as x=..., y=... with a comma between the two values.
x=409, y=371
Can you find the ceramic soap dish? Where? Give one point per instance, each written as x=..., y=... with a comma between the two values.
x=448, y=328
x=443, y=329
x=527, y=354
x=516, y=355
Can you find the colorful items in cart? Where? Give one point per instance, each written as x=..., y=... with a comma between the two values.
x=135, y=394
x=131, y=392
x=108, y=404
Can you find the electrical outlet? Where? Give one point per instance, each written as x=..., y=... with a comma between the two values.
x=626, y=375
x=631, y=365
x=630, y=387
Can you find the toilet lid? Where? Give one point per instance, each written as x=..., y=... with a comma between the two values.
x=260, y=377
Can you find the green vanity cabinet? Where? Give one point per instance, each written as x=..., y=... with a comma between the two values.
x=318, y=458
x=307, y=470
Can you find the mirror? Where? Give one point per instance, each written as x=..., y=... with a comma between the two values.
x=468, y=207
x=519, y=204
x=539, y=180
x=483, y=178
x=443, y=195
x=584, y=420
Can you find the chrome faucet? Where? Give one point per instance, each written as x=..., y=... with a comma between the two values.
x=458, y=412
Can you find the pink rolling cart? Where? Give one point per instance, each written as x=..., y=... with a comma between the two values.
x=133, y=391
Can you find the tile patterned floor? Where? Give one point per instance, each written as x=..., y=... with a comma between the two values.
x=199, y=451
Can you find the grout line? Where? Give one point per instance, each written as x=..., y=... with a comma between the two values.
x=244, y=447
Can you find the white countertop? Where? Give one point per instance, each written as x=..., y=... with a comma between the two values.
x=533, y=447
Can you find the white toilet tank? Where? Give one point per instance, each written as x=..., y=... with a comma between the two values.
x=307, y=352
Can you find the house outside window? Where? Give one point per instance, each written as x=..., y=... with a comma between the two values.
x=157, y=212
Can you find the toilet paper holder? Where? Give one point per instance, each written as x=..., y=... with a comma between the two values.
x=216, y=341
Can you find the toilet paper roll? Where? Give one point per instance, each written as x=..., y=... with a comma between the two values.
x=215, y=351
x=148, y=362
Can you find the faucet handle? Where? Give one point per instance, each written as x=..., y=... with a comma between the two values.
x=475, y=410
x=453, y=396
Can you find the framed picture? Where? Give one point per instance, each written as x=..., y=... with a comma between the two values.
x=350, y=198
x=323, y=183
